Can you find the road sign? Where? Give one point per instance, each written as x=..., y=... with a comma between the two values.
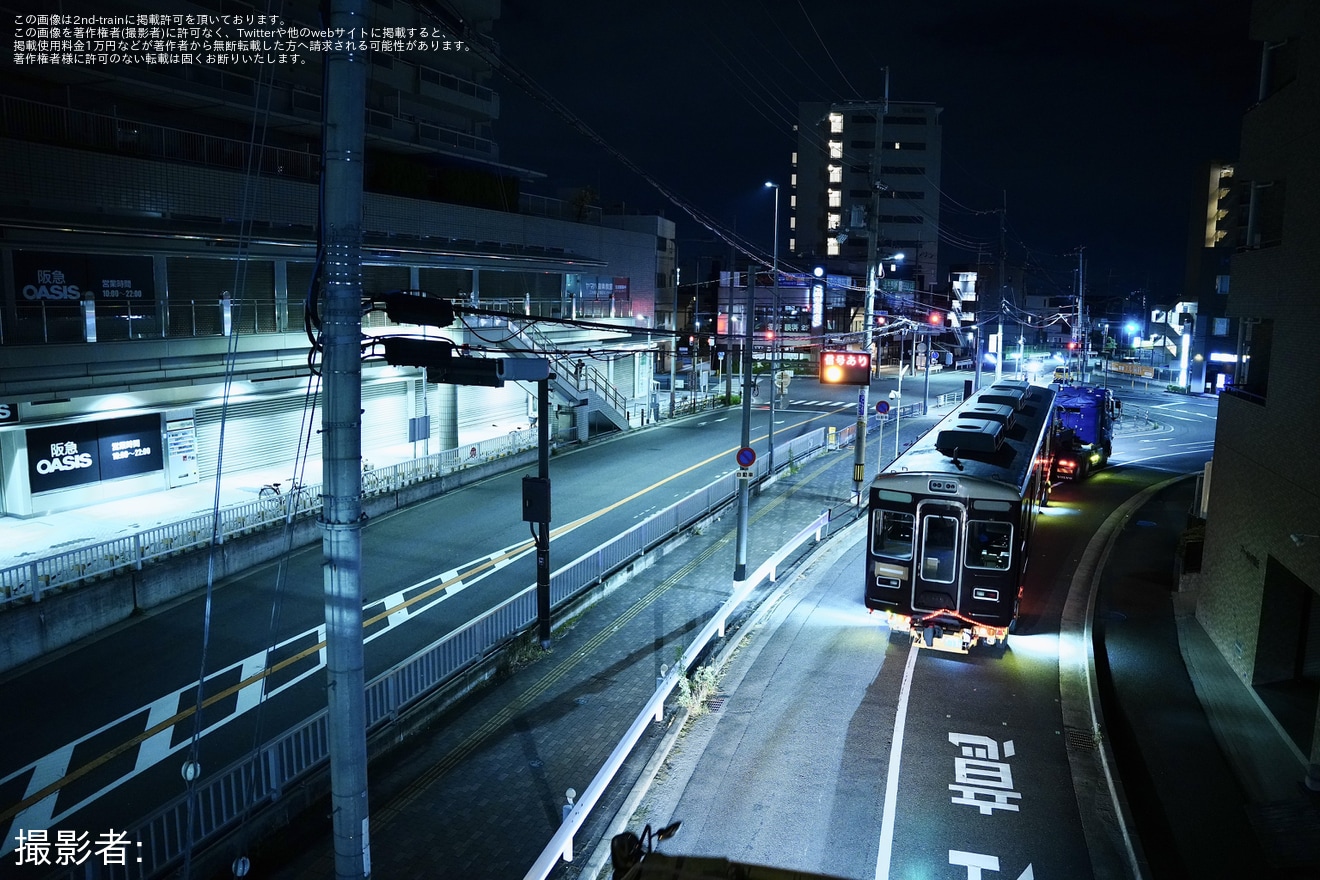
x=882, y=406
x=745, y=474
x=934, y=357
x=746, y=457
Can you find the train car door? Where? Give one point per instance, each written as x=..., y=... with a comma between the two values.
x=937, y=569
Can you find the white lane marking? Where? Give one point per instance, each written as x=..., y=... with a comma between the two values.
x=885, y=854
x=54, y=766
x=38, y=815
x=157, y=747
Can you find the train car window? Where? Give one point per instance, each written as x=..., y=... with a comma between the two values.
x=891, y=534
x=939, y=548
x=989, y=545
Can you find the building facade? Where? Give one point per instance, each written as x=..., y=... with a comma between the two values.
x=1261, y=569
x=159, y=263
x=852, y=157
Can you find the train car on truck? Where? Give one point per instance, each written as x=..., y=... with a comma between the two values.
x=951, y=519
x=1084, y=438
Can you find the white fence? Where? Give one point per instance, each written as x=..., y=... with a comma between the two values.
x=28, y=581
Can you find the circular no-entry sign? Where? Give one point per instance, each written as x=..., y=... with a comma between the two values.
x=746, y=457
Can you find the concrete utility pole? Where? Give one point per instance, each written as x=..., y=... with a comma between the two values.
x=740, y=563
x=999, y=332
x=1081, y=310
x=774, y=333
x=341, y=444
x=872, y=282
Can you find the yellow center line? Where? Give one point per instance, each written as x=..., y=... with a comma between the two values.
x=184, y=715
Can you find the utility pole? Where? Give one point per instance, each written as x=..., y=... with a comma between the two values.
x=1081, y=310
x=999, y=333
x=341, y=444
x=774, y=333
x=872, y=282
x=673, y=349
x=740, y=563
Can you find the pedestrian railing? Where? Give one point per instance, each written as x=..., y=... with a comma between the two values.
x=219, y=801
x=29, y=581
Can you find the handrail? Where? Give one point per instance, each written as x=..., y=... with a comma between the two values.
x=653, y=710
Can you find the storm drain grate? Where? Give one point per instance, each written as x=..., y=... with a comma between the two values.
x=1078, y=740
x=715, y=704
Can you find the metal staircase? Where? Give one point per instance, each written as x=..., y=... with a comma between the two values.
x=575, y=383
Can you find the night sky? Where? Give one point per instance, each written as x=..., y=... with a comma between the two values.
x=1090, y=118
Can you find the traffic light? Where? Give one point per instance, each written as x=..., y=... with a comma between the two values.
x=409, y=308
x=443, y=366
x=936, y=319
x=1072, y=344
x=845, y=367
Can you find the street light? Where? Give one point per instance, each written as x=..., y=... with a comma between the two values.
x=774, y=328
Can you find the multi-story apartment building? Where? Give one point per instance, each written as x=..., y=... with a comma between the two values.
x=847, y=155
x=1261, y=568
x=1215, y=232
x=160, y=225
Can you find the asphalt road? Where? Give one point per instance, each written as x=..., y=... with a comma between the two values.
x=837, y=750
x=83, y=710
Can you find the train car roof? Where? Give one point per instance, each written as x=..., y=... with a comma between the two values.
x=979, y=441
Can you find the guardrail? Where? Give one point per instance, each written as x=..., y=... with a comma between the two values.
x=30, y=580
x=262, y=776
x=562, y=842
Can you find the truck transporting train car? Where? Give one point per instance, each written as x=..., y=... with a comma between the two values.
x=951, y=520
x=1084, y=430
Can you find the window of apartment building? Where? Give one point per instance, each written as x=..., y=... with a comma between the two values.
x=836, y=123
x=1265, y=207
x=901, y=218
x=862, y=145
x=906, y=169
x=859, y=193
x=833, y=221
x=905, y=145
x=836, y=174
x=831, y=247
x=835, y=198
x=836, y=149
x=1279, y=66
x=905, y=120
x=1221, y=284
x=1257, y=344
x=863, y=119
x=1219, y=327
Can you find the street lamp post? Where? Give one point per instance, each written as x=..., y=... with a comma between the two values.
x=774, y=330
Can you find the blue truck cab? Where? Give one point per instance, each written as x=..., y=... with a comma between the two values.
x=1084, y=431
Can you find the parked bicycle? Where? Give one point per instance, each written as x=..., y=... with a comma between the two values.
x=277, y=501
x=371, y=480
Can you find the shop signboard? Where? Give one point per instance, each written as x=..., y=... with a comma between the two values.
x=87, y=452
